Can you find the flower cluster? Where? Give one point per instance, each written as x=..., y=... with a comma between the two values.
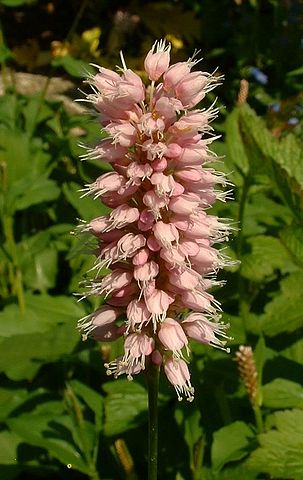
x=158, y=241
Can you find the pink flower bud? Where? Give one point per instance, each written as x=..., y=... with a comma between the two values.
x=178, y=375
x=101, y=324
x=172, y=336
x=184, y=204
x=157, y=60
x=141, y=257
x=175, y=74
x=137, y=314
x=190, y=89
x=199, y=328
x=165, y=233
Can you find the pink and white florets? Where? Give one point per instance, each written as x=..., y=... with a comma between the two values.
x=159, y=241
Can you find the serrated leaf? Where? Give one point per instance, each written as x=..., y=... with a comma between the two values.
x=230, y=443
x=125, y=406
x=294, y=352
x=281, y=160
x=267, y=255
x=282, y=393
x=280, y=451
x=284, y=312
x=261, y=212
x=291, y=236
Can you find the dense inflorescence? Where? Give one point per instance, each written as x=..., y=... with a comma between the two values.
x=158, y=241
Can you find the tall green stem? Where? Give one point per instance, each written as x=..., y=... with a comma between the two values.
x=243, y=305
x=14, y=269
x=258, y=418
x=152, y=376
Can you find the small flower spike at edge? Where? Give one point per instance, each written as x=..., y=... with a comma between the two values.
x=159, y=240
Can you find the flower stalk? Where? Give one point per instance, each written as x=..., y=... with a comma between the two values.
x=152, y=378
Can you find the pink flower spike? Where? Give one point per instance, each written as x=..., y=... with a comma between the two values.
x=157, y=60
x=178, y=375
x=155, y=251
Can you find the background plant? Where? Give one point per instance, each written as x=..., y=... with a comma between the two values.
x=61, y=417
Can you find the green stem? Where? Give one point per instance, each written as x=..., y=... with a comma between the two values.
x=16, y=275
x=258, y=418
x=243, y=305
x=198, y=459
x=241, y=212
x=152, y=376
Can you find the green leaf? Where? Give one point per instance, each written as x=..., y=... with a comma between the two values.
x=291, y=237
x=239, y=472
x=27, y=167
x=294, y=352
x=86, y=207
x=281, y=160
x=5, y=53
x=230, y=443
x=267, y=255
x=290, y=158
x=11, y=399
x=93, y=399
x=125, y=406
x=9, y=443
x=44, y=431
x=284, y=312
x=189, y=421
x=32, y=193
x=261, y=212
x=38, y=261
x=45, y=333
x=13, y=3
x=282, y=393
x=280, y=452
x=75, y=67
x=35, y=112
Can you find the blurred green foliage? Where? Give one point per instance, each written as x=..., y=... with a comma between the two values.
x=60, y=415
